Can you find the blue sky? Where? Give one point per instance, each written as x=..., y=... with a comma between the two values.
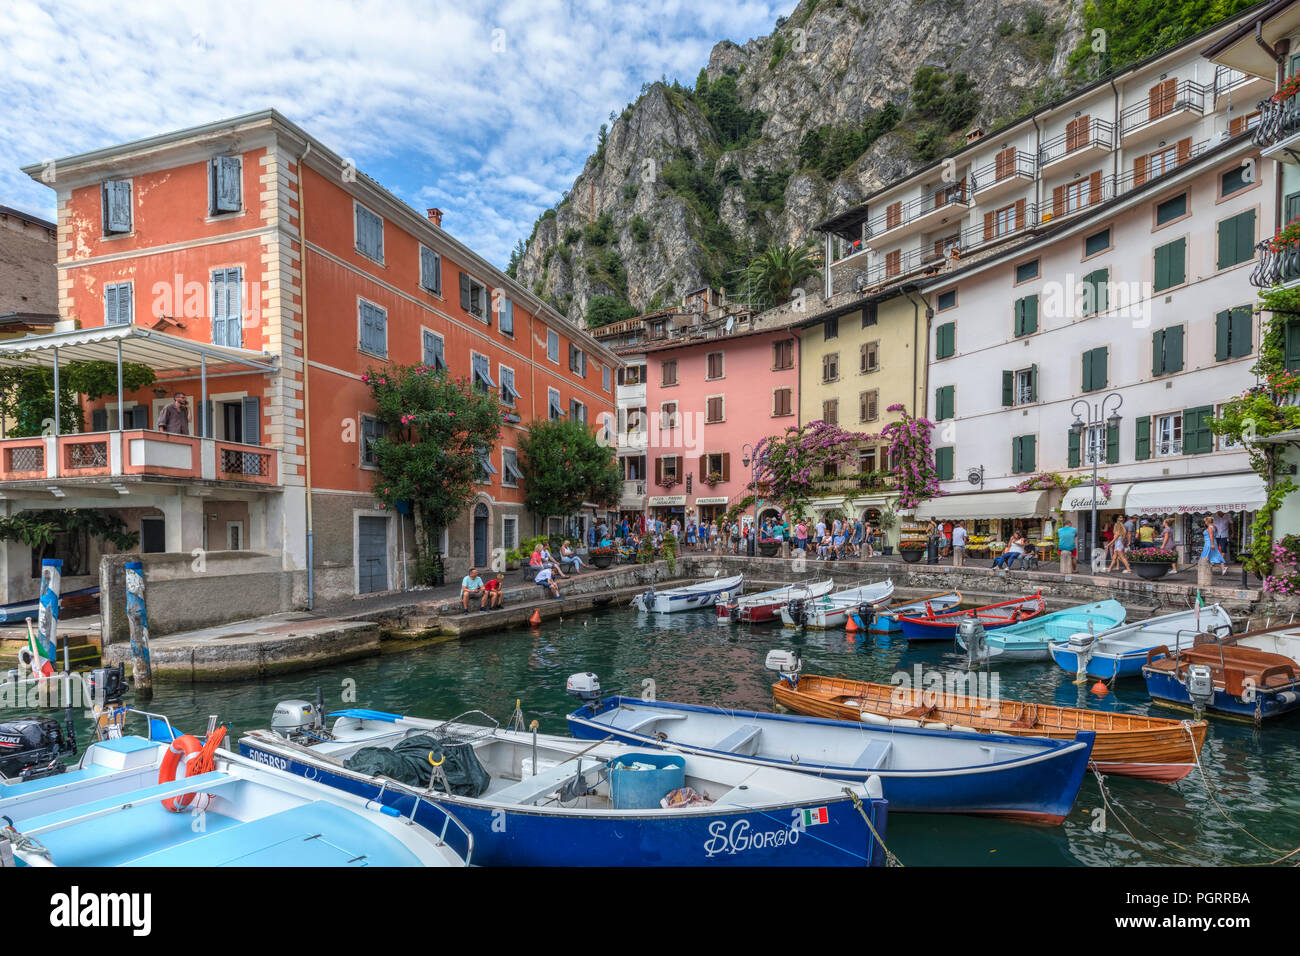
x=484, y=109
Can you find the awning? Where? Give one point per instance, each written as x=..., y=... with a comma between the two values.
x=1244, y=492
x=1079, y=498
x=994, y=504
x=160, y=351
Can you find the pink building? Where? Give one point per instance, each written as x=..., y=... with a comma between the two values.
x=706, y=398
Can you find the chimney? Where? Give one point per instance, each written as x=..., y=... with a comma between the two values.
x=974, y=134
x=435, y=217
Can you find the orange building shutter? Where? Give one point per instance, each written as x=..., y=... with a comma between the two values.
x=726, y=466
x=1020, y=214
x=1094, y=188
x=659, y=471
x=1184, y=150
x=1058, y=200
x=1005, y=163
x=704, y=466
x=988, y=226
x=1139, y=171
x=893, y=215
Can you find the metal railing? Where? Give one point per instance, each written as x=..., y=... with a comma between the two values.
x=954, y=195
x=25, y=458
x=1021, y=166
x=1275, y=265
x=1187, y=95
x=247, y=463
x=85, y=454
x=1277, y=121
x=1101, y=133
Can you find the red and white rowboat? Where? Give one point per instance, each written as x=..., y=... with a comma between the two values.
x=766, y=605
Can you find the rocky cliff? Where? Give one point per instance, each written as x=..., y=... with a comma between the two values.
x=842, y=97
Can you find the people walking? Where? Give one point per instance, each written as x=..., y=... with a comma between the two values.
x=1211, y=547
x=1066, y=542
x=958, y=545
x=1119, y=544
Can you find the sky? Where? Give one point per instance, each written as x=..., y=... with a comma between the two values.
x=486, y=110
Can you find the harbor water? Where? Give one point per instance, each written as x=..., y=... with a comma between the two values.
x=1252, y=816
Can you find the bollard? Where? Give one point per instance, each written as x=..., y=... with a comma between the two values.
x=1204, y=573
x=137, y=616
x=47, y=615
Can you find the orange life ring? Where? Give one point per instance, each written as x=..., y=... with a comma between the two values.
x=189, y=746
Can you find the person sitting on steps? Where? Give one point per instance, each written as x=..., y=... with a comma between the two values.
x=472, y=586
x=546, y=578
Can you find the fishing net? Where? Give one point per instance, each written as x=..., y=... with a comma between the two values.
x=445, y=752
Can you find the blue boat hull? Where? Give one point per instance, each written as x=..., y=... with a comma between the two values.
x=527, y=836
x=936, y=632
x=1274, y=702
x=1103, y=668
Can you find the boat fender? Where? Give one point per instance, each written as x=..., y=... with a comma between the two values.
x=188, y=747
x=963, y=728
x=905, y=722
x=935, y=725
x=870, y=718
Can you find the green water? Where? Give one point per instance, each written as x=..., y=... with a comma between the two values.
x=1256, y=773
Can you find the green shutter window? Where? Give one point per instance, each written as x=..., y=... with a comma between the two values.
x=1073, y=444
x=1086, y=380
x=1236, y=239
x=1142, y=447
x=1094, y=292
x=1222, y=327
x=946, y=340
x=1171, y=261
x=1026, y=315
x=1240, y=332
x=1197, y=437
x=1094, y=369
x=1112, y=444
x=1033, y=383
x=1292, y=206
x=1158, y=352
x=943, y=463
x=1292, y=352
x=1023, y=453
x=1174, y=349
x=1008, y=388
x=944, y=403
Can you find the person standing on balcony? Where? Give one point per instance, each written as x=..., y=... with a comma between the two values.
x=175, y=418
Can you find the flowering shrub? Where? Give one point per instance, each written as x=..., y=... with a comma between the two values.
x=712, y=478
x=911, y=544
x=1152, y=556
x=789, y=464
x=609, y=552
x=913, y=462
x=1285, y=579
x=1287, y=237
x=1290, y=86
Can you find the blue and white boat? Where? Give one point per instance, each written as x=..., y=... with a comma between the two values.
x=833, y=610
x=1122, y=651
x=920, y=770
x=691, y=596
x=556, y=801
x=886, y=619
x=109, y=811
x=1030, y=640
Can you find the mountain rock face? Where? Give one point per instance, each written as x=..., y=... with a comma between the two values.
x=688, y=184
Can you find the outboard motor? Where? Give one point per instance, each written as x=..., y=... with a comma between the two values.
x=866, y=615
x=106, y=686
x=646, y=599
x=728, y=610
x=786, y=663
x=31, y=748
x=1082, y=645
x=798, y=612
x=585, y=686
x=971, y=632
x=298, y=720
x=1200, y=686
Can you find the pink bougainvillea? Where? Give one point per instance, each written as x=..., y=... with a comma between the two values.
x=909, y=456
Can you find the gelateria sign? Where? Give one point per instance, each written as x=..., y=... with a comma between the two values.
x=1080, y=499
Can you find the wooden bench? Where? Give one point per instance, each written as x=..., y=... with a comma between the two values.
x=531, y=789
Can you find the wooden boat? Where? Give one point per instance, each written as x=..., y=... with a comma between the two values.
x=935, y=626
x=832, y=610
x=689, y=597
x=1122, y=651
x=1130, y=745
x=921, y=770
x=766, y=605
x=1250, y=676
x=79, y=603
x=886, y=620
x=1029, y=640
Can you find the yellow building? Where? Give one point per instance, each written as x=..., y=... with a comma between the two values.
x=855, y=362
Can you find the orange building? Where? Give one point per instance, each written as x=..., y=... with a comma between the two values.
x=261, y=274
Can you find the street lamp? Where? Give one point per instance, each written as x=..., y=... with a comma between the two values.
x=750, y=461
x=1096, y=418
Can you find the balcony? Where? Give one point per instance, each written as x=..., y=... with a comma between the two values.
x=1275, y=266
x=1091, y=142
x=1278, y=132
x=136, y=454
x=1159, y=112
x=1244, y=87
x=918, y=215
x=1003, y=176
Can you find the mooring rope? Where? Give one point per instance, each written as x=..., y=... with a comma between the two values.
x=890, y=858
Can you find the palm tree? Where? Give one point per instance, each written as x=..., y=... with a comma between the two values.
x=778, y=270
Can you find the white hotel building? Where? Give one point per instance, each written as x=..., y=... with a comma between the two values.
x=1100, y=245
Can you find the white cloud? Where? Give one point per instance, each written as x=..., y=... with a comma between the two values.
x=485, y=109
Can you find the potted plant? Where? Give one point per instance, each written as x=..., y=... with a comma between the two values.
x=768, y=547
x=910, y=550
x=888, y=520
x=512, y=559
x=602, y=557
x=1152, y=563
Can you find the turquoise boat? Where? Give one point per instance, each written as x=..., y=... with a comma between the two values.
x=1031, y=640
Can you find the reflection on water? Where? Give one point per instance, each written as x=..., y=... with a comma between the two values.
x=693, y=659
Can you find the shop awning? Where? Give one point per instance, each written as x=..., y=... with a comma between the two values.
x=995, y=504
x=1079, y=498
x=1244, y=492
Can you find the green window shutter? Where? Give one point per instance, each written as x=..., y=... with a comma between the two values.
x=1086, y=381
x=1239, y=336
x=1197, y=437
x=1008, y=388
x=1237, y=239
x=1246, y=236
x=1031, y=314
x=1162, y=269
x=1222, y=331
x=1171, y=264
x=1096, y=283
x=1099, y=376
x=1227, y=244
x=1158, y=352
x=943, y=402
x=1033, y=383
x=1292, y=206
x=1142, y=447
x=1018, y=318
x=1015, y=455
x=1073, y=444
x=1174, y=349
x=1112, y=444
x=946, y=340
x=1292, y=353
x=1029, y=452
x=943, y=463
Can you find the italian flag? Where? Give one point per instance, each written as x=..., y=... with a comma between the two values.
x=1200, y=603
x=41, y=666
x=814, y=817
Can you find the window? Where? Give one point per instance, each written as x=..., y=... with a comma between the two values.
x=1097, y=242
x=227, y=307
x=713, y=365
x=554, y=409
x=430, y=270
x=115, y=199
x=483, y=467
x=1004, y=221
x=482, y=372
x=508, y=394
x=869, y=405
x=577, y=361
x=867, y=460
x=1167, y=351
x=432, y=350
x=553, y=346
x=1291, y=208
x=943, y=463
x=713, y=409
x=473, y=297
x=1225, y=442
x=1232, y=333
x=947, y=300
x=1027, y=271
x=783, y=354
x=830, y=329
x=1197, y=437
x=1171, y=265
x=374, y=328
x=669, y=372
x=1094, y=292
x=831, y=469
x=117, y=304
x=510, y=473
x=668, y=468
x=945, y=340
x=1094, y=369
x=869, y=315
x=370, y=233
x=1234, y=180
x=1158, y=163
x=1023, y=454
x=831, y=367
x=1291, y=347
x=510, y=523
x=1025, y=315
x=577, y=411
x=893, y=263
x=1171, y=209
x=1095, y=444
x=869, y=357
x=224, y=182
x=604, y=377
x=1027, y=385
x=831, y=411
x=781, y=403
x=372, y=429
x=506, y=317
x=668, y=415
x=1076, y=195
x=1236, y=240
x=944, y=403
x=1169, y=435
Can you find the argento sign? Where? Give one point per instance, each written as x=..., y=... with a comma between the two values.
x=711, y=501
x=662, y=501
x=1080, y=499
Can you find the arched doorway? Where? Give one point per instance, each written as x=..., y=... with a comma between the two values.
x=481, y=520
